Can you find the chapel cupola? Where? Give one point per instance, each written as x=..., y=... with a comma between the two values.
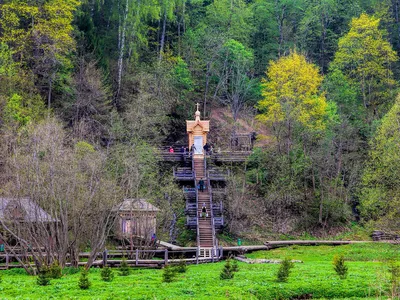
x=197, y=131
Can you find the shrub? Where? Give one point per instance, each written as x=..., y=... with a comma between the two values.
x=284, y=270
x=181, y=266
x=1, y=278
x=55, y=270
x=227, y=272
x=235, y=266
x=124, y=269
x=43, y=276
x=84, y=282
x=340, y=266
x=394, y=271
x=169, y=274
x=107, y=274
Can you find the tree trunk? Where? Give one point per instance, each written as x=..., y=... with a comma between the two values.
x=122, y=47
x=162, y=41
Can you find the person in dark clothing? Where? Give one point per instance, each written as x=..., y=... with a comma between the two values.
x=206, y=147
x=192, y=149
x=201, y=185
x=204, y=211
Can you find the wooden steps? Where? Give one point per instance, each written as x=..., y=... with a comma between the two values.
x=206, y=238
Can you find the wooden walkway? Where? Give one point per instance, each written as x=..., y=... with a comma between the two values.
x=191, y=255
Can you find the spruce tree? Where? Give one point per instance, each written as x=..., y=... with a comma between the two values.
x=169, y=274
x=43, y=276
x=227, y=272
x=84, y=282
x=340, y=266
x=284, y=270
x=107, y=274
x=124, y=269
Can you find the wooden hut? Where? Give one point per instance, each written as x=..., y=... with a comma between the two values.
x=136, y=217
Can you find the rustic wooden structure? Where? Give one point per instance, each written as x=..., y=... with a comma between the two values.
x=197, y=133
x=136, y=217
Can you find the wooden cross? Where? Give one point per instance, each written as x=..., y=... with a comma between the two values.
x=197, y=104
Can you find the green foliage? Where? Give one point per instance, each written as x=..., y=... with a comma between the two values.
x=84, y=282
x=235, y=266
x=181, y=267
x=284, y=270
x=107, y=274
x=43, y=277
x=55, y=270
x=169, y=274
x=124, y=269
x=379, y=199
x=314, y=276
x=339, y=266
x=292, y=94
x=394, y=271
x=365, y=57
x=227, y=272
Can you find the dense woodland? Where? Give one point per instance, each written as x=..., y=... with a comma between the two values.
x=89, y=90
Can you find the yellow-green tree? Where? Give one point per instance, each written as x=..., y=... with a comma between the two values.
x=380, y=195
x=292, y=97
x=40, y=36
x=365, y=57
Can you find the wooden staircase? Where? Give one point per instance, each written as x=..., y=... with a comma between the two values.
x=206, y=239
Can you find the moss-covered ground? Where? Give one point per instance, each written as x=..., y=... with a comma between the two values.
x=368, y=278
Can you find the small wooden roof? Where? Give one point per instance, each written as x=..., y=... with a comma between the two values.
x=23, y=209
x=190, y=125
x=129, y=205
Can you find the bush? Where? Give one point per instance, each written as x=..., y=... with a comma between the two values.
x=1, y=278
x=107, y=274
x=169, y=274
x=284, y=270
x=181, y=266
x=227, y=272
x=340, y=266
x=394, y=271
x=124, y=269
x=43, y=278
x=55, y=270
x=84, y=282
x=235, y=266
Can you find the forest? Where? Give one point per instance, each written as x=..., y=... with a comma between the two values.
x=91, y=89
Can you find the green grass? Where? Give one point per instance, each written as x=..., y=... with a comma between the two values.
x=367, y=279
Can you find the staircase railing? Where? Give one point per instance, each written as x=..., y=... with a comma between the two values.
x=215, y=242
x=197, y=205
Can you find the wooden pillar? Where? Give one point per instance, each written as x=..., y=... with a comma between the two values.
x=137, y=257
x=197, y=255
x=166, y=257
x=105, y=254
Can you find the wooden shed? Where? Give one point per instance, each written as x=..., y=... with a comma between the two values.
x=136, y=217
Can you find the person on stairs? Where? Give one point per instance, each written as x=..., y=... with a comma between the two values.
x=204, y=211
x=201, y=185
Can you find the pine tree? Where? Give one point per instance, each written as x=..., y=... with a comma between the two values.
x=181, y=267
x=55, y=270
x=227, y=272
x=169, y=274
x=339, y=266
x=124, y=269
x=43, y=276
x=284, y=270
x=107, y=274
x=84, y=282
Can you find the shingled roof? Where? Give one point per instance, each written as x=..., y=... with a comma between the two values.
x=22, y=209
x=136, y=205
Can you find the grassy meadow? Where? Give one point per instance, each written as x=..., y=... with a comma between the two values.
x=368, y=278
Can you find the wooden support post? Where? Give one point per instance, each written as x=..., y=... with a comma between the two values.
x=7, y=260
x=166, y=257
x=105, y=254
x=212, y=254
x=137, y=257
x=197, y=255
